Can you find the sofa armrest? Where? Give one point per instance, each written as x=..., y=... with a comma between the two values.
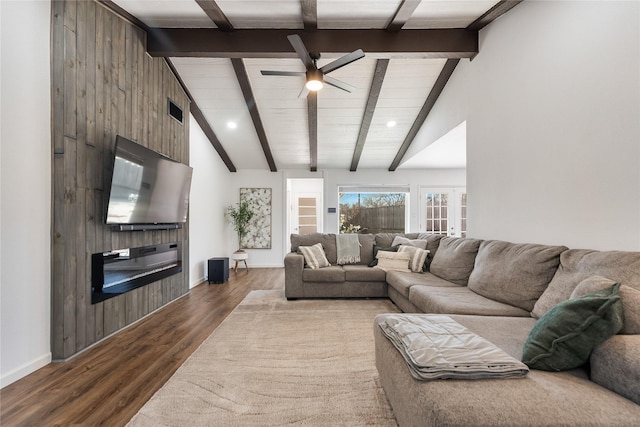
x=615, y=365
x=293, y=266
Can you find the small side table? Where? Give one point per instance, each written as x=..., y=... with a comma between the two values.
x=240, y=256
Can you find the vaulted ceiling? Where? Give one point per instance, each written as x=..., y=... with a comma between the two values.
x=219, y=47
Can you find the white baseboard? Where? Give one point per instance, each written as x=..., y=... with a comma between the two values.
x=24, y=370
x=199, y=281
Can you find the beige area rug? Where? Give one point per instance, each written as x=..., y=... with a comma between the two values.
x=279, y=362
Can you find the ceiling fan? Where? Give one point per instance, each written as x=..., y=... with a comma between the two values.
x=315, y=77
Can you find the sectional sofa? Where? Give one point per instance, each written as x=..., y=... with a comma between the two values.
x=497, y=290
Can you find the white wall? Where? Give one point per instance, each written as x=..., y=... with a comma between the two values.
x=552, y=104
x=25, y=189
x=209, y=195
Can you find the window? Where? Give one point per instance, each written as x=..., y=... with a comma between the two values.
x=443, y=211
x=373, y=209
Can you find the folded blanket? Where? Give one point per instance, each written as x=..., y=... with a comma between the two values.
x=347, y=248
x=437, y=347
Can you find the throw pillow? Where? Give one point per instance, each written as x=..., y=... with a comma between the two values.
x=591, y=284
x=629, y=296
x=418, y=257
x=564, y=337
x=393, y=261
x=377, y=248
x=418, y=243
x=314, y=256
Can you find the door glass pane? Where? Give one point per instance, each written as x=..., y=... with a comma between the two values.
x=307, y=217
x=436, y=213
x=463, y=214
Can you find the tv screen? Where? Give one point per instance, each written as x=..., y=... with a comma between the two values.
x=147, y=187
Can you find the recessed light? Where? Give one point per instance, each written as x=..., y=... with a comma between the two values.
x=232, y=125
x=391, y=124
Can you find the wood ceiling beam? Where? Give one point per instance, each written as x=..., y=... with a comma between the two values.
x=404, y=12
x=372, y=100
x=309, y=14
x=492, y=14
x=312, y=111
x=247, y=92
x=216, y=14
x=273, y=43
x=197, y=114
x=436, y=90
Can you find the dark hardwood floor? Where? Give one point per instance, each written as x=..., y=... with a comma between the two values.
x=109, y=383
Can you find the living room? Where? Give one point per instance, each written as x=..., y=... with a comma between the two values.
x=551, y=103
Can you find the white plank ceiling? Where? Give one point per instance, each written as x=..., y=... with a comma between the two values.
x=216, y=90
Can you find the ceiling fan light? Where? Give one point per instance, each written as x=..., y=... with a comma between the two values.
x=314, y=85
x=314, y=80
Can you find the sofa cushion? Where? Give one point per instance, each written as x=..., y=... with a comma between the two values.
x=385, y=239
x=578, y=264
x=615, y=365
x=418, y=257
x=454, y=259
x=514, y=273
x=396, y=261
x=402, y=281
x=564, y=337
x=631, y=310
x=459, y=300
x=377, y=248
x=433, y=242
x=334, y=273
x=328, y=243
x=363, y=273
x=314, y=256
x=630, y=301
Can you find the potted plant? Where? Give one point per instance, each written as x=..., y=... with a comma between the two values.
x=239, y=216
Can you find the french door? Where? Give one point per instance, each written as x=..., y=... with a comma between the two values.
x=443, y=211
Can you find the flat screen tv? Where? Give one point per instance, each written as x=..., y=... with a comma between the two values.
x=147, y=187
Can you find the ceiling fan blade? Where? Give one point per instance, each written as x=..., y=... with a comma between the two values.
x=339, y=84
x=303, y=93
x=342, y=61
x=301, y=50
x=282, y=73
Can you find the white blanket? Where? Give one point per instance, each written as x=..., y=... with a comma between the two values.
x=437, y=347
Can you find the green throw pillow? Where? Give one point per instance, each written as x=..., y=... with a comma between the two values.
x=564, y=337
x=377, y=248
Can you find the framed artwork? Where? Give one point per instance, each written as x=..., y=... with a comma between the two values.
x=259, y=234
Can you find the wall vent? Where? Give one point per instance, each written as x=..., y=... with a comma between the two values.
x=174, y=110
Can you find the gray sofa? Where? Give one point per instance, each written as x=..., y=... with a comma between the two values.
x=497, y=290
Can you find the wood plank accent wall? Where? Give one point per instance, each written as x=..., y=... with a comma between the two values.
x=103, y=84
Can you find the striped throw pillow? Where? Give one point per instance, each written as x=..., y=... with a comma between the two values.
x=393, y=261
x=314, y=256
x=418, y=257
